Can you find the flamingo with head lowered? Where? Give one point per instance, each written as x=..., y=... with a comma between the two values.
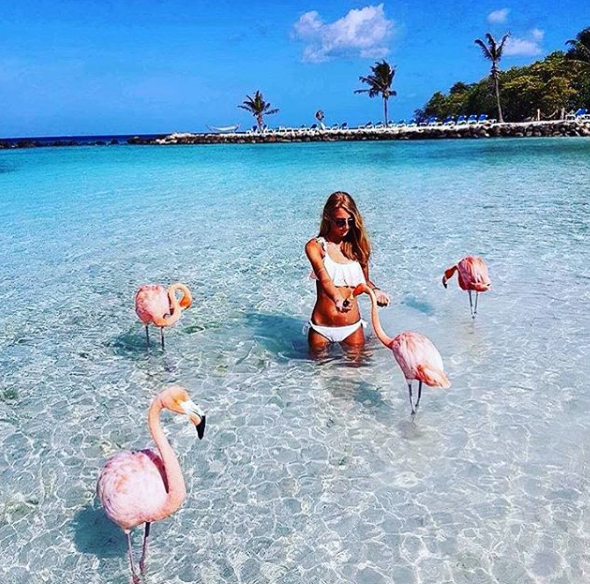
x=145, y=486
x=160, y=307
x=417, y=357
x=472, y=273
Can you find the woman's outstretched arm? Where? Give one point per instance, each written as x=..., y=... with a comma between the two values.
x=382, y=297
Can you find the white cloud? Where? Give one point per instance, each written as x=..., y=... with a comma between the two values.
x=525, y=47
x=363, y=32
x=498, y=16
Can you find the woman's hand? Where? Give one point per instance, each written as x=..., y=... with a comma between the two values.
x=342, y=304
x=382, y=297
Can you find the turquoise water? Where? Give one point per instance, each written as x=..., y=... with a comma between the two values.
x=310, y=472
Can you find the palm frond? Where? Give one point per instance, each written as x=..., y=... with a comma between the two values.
x=500, y=48
x=484, y=48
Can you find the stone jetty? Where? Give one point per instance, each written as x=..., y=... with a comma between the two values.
x=466, y=131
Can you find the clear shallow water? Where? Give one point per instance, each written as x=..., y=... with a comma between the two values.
x=310, y=472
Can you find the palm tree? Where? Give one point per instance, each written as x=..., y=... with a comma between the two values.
x=580, y=47
x=379, y=83
x=258, y=108
x=492, y=51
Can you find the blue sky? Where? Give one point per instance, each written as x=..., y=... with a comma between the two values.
x=149, y=66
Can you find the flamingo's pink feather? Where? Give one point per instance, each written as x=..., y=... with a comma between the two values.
x=151, y=301
x=419, y=359
x=473, y=274
x=132, y=488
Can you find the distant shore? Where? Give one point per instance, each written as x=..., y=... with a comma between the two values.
x=287, y=135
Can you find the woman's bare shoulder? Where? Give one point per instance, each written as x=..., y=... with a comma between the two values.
x=313, y=243
x=313, y=246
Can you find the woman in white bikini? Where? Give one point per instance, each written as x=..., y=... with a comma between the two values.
x=339, y=256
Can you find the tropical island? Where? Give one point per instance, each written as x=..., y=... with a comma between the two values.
x=550, y=97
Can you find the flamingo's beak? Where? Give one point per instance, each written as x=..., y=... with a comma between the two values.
x=201, y=427
x=444, y=281
x=197, y=416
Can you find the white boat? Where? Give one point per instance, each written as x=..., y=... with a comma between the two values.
x=224, y=129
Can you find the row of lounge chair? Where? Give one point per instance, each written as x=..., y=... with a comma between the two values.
x=581, y=115
x=432, y=121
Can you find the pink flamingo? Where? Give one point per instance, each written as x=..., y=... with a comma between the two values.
x=156, y=305
x=145, y=486
x=473, y=275
x=414, y=353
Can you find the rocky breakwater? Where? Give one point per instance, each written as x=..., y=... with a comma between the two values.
x=466, y=131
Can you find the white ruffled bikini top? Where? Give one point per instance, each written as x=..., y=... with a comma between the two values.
x=348, y=274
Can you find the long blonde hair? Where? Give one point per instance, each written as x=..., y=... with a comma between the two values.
x=355, y=245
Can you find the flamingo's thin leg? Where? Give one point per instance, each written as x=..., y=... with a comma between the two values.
x=411, y=400
x=419, y=394
x=147, y=335
x=146, y=535
x=471, y=304
x=162, y=336
x=476, y=299
x=134, y=576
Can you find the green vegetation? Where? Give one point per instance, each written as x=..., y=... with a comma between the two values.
x=379, y=83
x=258, y=108
x=560, y=81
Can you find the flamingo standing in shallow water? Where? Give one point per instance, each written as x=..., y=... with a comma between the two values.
x=415, y=354
x=160, y=307
x=472, y=273
x=145, y=486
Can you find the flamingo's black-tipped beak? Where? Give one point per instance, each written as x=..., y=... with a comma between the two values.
x=444, y=281
x=201, y=427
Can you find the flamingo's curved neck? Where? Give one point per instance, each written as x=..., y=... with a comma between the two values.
x=185, y=301
x=176, y=486
x=174, y=305
x=381, y=335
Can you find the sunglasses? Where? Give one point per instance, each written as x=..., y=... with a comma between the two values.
x=343, y=222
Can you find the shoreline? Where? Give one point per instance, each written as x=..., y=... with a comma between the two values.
x=537, y=129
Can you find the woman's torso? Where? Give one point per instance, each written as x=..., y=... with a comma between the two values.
x=345, y=274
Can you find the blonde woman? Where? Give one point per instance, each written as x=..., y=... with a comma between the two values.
x=339, y=258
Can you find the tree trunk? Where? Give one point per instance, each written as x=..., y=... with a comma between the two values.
x=260, y=122
x=497, y=88
x=385, y=110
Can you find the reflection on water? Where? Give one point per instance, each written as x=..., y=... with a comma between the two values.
x=312, y=470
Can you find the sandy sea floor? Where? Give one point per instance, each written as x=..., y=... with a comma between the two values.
x=310, y=471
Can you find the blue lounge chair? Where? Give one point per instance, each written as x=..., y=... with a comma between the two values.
x=577, y=114
x=461, y=120
x=401, y=123
x=482, y=118
x=449, y=121
x=344, y=126
x=472, y=119
x=412, y=123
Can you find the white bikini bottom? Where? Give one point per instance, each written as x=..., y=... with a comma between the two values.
x=336, y=334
